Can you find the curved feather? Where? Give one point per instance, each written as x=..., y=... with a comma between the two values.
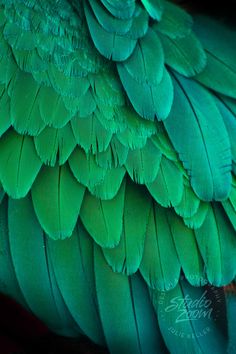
x=16, y=173
x=197, y=131
x=57, y=198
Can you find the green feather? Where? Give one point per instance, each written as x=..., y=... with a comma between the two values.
x=85, y=169
x=110, y=45
x=73, y=267
x=196, y=220
x=197, y=131
x=5, y=120
x=126, y=257
x=143, y=164
x=55, y=144
x=217, y=244
x=24, y=108
x=154, y=8
x=185, y=55
x=146, y=64
x=115, y=155
x=109, y=22
x=160, y=265
x=52, y=108
x=19, y=164
x=187, y=251
x=110, y=186
x=166, y=189
x=189, y=203
x=103, y=218
x=149, y=101
x=57, y=198
x=175, y=22
x=90, y=134
x=124, y=10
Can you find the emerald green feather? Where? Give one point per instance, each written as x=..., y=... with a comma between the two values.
x=103, y=218
x=154, y=8
x=19, y=164
x=189, y=203
x=124, y=10
x=185, y=55
x=114, y=156
x=57, y=198
x=160, y=265
x=146, y=64
x=165, y=189
x=110, y=186
x=110, y=45
x=73, y=267
x=85, y=169
x=24, y=110
x=90, y=134
x=175, y=22
x=54, y=145
x=197, y=131
x=149, y=101
x=143, y=164
x=196, y=220
x=5, y=120
x=187, y=251
x=217, y=244
x=127, y=255
x=108, y=21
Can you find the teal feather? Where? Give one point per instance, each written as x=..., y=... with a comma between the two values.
x=25, y=114
x=187, y=250
x=115, y=155
x=16, y=173
x=8, y=281
x=110, y=45
x=217, y=244
x=197, y=131
x=54, y=145
x=5, y=120
x=189, y=203
x=27, y=247
x=158, y=269
x=154, y=8
x=90, y=134
x=124, y=11
x=108, y=21
x=127, y=255
x=185, y=55
x=85, y=169
x=110, y=186
x=146, y=64
x=148, y=101
x=57, y=198
x=164, y=189
x=73, y=267
x=104, y=224
x=175, y=22
x=119, y=303
x=143, y=164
